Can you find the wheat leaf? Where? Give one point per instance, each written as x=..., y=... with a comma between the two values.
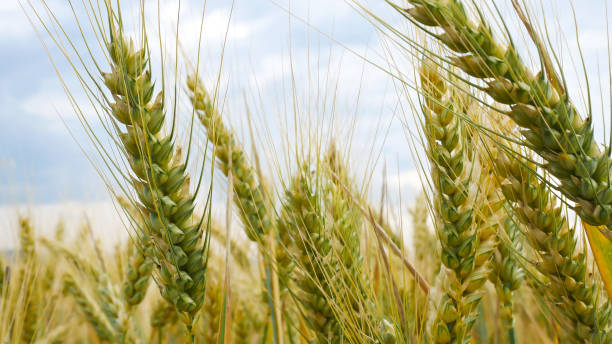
x=602, y=251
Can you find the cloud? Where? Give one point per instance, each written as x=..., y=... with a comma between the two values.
x=218, y=24
x=54, y=108
x=410, y=178
x=13, y=22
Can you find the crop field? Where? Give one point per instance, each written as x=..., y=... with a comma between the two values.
x=438, y=171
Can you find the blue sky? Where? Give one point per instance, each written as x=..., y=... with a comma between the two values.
x=40, y=162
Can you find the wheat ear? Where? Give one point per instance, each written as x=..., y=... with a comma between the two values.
x=163, y=314
x=106, y=301
x=467, y=244
x=303, y=216
x=249, y=194
x=94, y=315
x=243, y=324
x=346, y=224
x=508, y=274
x=29, y=280
x=424, y=242
x=160, y=179
x=138, y=274
x=562, y=261
x=551, y=125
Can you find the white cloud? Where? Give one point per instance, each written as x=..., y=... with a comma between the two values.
x=53, y=107
x=214, y=27
x=407, y=178
x=13, y=22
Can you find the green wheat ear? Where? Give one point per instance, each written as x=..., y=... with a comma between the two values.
x=467, y=241
x=163, y=314
x=570, y=290
x=137, y=275
x=249, y=193
x=551, y=125
x=178, y=244
x=346, y=220
x=507, y=274
x=303, y=216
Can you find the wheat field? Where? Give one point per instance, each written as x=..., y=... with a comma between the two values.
x=277, y=231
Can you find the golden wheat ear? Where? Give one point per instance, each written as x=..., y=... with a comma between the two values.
x=93, y=314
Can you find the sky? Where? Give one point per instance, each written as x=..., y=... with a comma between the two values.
x=325, y=46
